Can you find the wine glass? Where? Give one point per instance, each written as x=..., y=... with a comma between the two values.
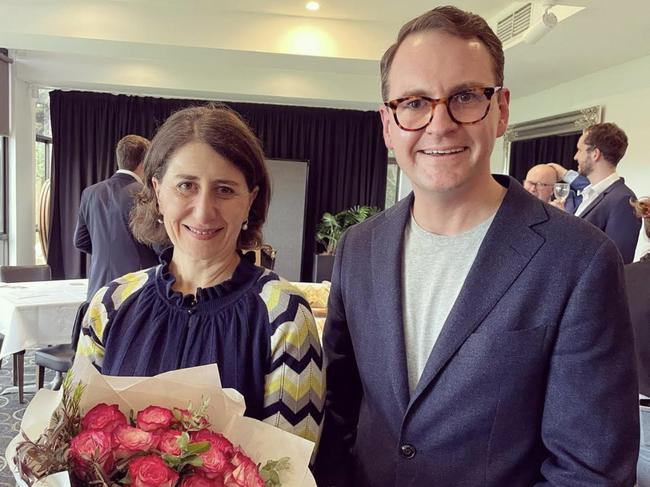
x=561, y=191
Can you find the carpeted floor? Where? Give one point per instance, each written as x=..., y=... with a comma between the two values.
x=11, y=411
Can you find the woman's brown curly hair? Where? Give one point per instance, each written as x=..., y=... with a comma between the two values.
x=230, y=137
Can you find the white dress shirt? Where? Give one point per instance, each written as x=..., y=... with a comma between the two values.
x=130, y=173
x=591, y=192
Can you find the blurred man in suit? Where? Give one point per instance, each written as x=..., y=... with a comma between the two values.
x=103, y=221
x=637, y=283
x=540, y=180
x=475, y=336
x=606, y=200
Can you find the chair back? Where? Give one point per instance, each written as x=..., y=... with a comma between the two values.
x=78, y=319
x=25, y=273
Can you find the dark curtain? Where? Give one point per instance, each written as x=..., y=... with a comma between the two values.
x=525, y=154
x=345, y=150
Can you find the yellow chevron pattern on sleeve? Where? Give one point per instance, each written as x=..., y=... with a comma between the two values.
x=294, y=391
x=277, y=296
x=95, y=319
x=296, y=337
x=127, y=285
x=307, y=428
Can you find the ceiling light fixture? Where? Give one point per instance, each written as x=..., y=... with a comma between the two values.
x=313, y=6
x=543, y=26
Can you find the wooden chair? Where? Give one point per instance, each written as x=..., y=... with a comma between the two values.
x=59, y=357
x=23, y=273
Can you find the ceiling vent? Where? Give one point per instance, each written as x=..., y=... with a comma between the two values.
x=515, y=23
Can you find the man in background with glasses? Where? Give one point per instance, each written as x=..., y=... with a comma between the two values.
x=540, y=180
x=475, y=336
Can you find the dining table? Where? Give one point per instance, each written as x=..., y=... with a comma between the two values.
x=38, y=314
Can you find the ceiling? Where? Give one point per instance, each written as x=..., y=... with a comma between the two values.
x=276, y=51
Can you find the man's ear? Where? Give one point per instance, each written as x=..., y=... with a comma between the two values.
x=386, y=115
x=504, y=111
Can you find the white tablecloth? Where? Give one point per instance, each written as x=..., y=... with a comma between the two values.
x=37, y=314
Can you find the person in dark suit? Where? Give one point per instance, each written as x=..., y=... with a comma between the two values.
x=475, y=335
x=637, y=283
x=103, y=221
x=606, y=200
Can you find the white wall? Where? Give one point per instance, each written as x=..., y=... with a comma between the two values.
x=20, y=178
x=624, y=93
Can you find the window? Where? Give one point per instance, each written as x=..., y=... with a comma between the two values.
x=43, y=162
x=392, y=182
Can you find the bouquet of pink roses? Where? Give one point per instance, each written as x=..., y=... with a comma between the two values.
x=171, y=445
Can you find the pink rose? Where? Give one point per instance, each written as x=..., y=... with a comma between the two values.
x=154, y=418
x=215, y=463
x=88, y=447
x=244, y=475
x=168, y=442
x=151, y=471
x=200, y=480
x=217, y=440
x=128, y=440
x=103, y=417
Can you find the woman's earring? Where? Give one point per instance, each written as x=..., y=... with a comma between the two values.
x=245, y=225
x=159, y=219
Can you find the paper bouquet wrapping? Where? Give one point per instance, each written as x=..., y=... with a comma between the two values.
x=249, y=441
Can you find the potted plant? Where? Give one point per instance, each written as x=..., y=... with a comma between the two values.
x=328, y=233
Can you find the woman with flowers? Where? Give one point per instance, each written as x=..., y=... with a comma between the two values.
x=205, y=197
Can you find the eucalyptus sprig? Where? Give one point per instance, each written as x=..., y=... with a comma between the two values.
x=49, y=453
x=270, y=472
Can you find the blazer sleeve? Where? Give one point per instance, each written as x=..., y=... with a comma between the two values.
x=623, y=228
x=590, y=424
x=81, y=234
x=332, y=466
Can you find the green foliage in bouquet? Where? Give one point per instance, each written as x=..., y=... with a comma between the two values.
x=49, y=453
x=332, y=226
x=270, y=472
x=55, y=450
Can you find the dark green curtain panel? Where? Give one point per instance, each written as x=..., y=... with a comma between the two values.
x=345, y=150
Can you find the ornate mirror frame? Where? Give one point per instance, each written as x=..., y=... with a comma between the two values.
x=564, y=123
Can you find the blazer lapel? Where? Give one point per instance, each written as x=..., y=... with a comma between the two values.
x=386, y=263
x=507, y=248
x=601, y=196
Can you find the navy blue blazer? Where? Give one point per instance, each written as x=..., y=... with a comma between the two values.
x=612, y=213
x=103, y=231
x=532, y=380
x=637, y=280
x=574, y=199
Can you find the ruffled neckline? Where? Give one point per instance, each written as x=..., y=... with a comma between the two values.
x=245, y=275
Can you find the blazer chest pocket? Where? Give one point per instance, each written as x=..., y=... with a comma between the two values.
x=515, y=344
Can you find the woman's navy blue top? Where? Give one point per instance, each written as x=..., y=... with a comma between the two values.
x=255, y=326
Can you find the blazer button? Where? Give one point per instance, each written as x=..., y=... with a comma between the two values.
x=408, y=451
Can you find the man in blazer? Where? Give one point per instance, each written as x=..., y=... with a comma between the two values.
x=475, y=336
x=103, y=221
x=606, y=200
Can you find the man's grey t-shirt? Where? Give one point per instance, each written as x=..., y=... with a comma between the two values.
x=433, y=272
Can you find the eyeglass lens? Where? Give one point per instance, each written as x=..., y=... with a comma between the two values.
x=465, y=107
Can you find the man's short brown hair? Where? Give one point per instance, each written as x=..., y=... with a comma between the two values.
x=455, y=22
x=130, y=152
x=609, y=139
